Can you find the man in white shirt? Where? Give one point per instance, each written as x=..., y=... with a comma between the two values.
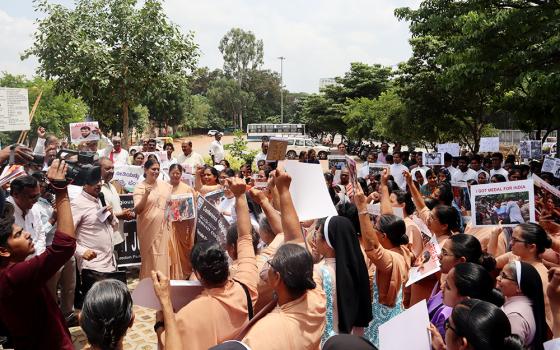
x=448, y=163
x=476, y=163
x=189, y=157
x=371, y=160
x=497, y=159
x=397, y=169
x=463, y=172
x=514, y=211
x=217, y=149
x=24, y=193
x=262, y=154
x=384, y=152
x=114, y=151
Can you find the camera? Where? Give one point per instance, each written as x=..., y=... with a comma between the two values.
x=81, y=168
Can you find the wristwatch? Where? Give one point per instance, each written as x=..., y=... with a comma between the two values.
x=157, y=325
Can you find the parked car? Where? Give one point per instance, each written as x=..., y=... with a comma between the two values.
x=296, y=145
x=212, y=132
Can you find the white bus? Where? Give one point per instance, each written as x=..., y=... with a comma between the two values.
x=255, y=132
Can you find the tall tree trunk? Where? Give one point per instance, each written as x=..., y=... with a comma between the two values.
x=126, y=137
x=241, y=120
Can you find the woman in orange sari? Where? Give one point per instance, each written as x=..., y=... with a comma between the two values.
x=150, y=197
x=182, y=232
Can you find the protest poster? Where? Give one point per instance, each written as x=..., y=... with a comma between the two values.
x=188, y=179
x=215, y=197
x=415, y=321
x=432, y=158
x=277, y=149
x=510, y=202
x=530, y=149
x=180, y=207
x=547, y=203
x=84, y=131
x=310, y=195
x=452, y=148
x=210, y=224
x=427, y=263
x=377, y=169
x=14, y=109
x=556, y=169
x=160, y=155
x=461, y=195
x=548, y=165
x=489, y=144
x=128, y=176
x=351, y=164
x=128, y=252
x=181, y=293
x=337, y=161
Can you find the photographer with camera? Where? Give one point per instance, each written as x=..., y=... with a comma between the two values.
x=27, y=308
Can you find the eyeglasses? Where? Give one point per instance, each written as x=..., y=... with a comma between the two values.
x=516, y=240
x=506, y=277
x=449, y=326
x=446, y=253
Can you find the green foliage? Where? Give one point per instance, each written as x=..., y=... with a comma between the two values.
x=242, y=52
x=238, y=148
x=55, y=111
x=111, y=52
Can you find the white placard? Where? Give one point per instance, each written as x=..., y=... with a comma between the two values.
x=182, y=293
x=556, y=170
x=414, y=322
x=548, y=165
x=452, y=148
x=309, y=191
x=128, y=175
x=14, y=109
x=489, y=144
x=504, y=201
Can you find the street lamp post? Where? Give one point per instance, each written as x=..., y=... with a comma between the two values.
x=281, y=58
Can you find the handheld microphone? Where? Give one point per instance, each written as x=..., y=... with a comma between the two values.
x=102, y=199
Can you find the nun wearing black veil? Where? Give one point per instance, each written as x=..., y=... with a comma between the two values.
x=344, y=277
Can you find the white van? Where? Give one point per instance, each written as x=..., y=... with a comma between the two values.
x=296, y=145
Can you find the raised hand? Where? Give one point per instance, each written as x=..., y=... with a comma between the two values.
x=236, y=185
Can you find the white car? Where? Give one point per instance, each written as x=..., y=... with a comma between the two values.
x=296, y=145
x=212, y=132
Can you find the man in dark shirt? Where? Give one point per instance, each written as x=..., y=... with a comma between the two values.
x=27, y=308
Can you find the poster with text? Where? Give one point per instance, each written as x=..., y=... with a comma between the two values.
x=452, y=148
x=277, y=149
x=128, y=252
x=511, y=202
x=180, y=207
x=84, y=131
x=128, y=176
x=489, y=144
x=215, y=197
x=210, y=224
x=14, y=109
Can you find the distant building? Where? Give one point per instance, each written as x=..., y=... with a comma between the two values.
x=324, y=82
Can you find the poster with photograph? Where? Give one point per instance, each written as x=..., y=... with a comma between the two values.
x=351, y=164
x=84, y=131
x=432, y=158
x=530, y=149
x=128, y=176
x=427, y=263
x=510, y=202
x=461, y=195
x=187, y=178
x=337, y=161
x=548, y=165
x=14, y=109
x=547, y=203
x=556, y=169
x=210, y=224
x=128, y=252
x=277, y=149
x=489, y=144
x=215, y=197
x=452, y=148
x=180, y=207
x=377, y=169
x=10, y=173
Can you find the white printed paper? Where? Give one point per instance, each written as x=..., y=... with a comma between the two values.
x=414, y=322
x=309, y=192
x=489, y=144
x=182, y=293
x=14, y=109
x=452, y=148
x=128, y=176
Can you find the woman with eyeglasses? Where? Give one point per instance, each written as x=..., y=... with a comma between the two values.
x=385, y=245
x=182, y=232
x=521, y=285
x=528, y=242
x=476, y=325
x=456, y=250
x=344, y=277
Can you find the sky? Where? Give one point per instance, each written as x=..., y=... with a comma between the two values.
x=318, y=38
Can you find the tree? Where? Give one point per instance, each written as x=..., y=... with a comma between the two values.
x=228, y=99
x=55, y=110
x=168, y=106
x=110, y=52
x=242, y=52
x=362, y=80
x=264, y=85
